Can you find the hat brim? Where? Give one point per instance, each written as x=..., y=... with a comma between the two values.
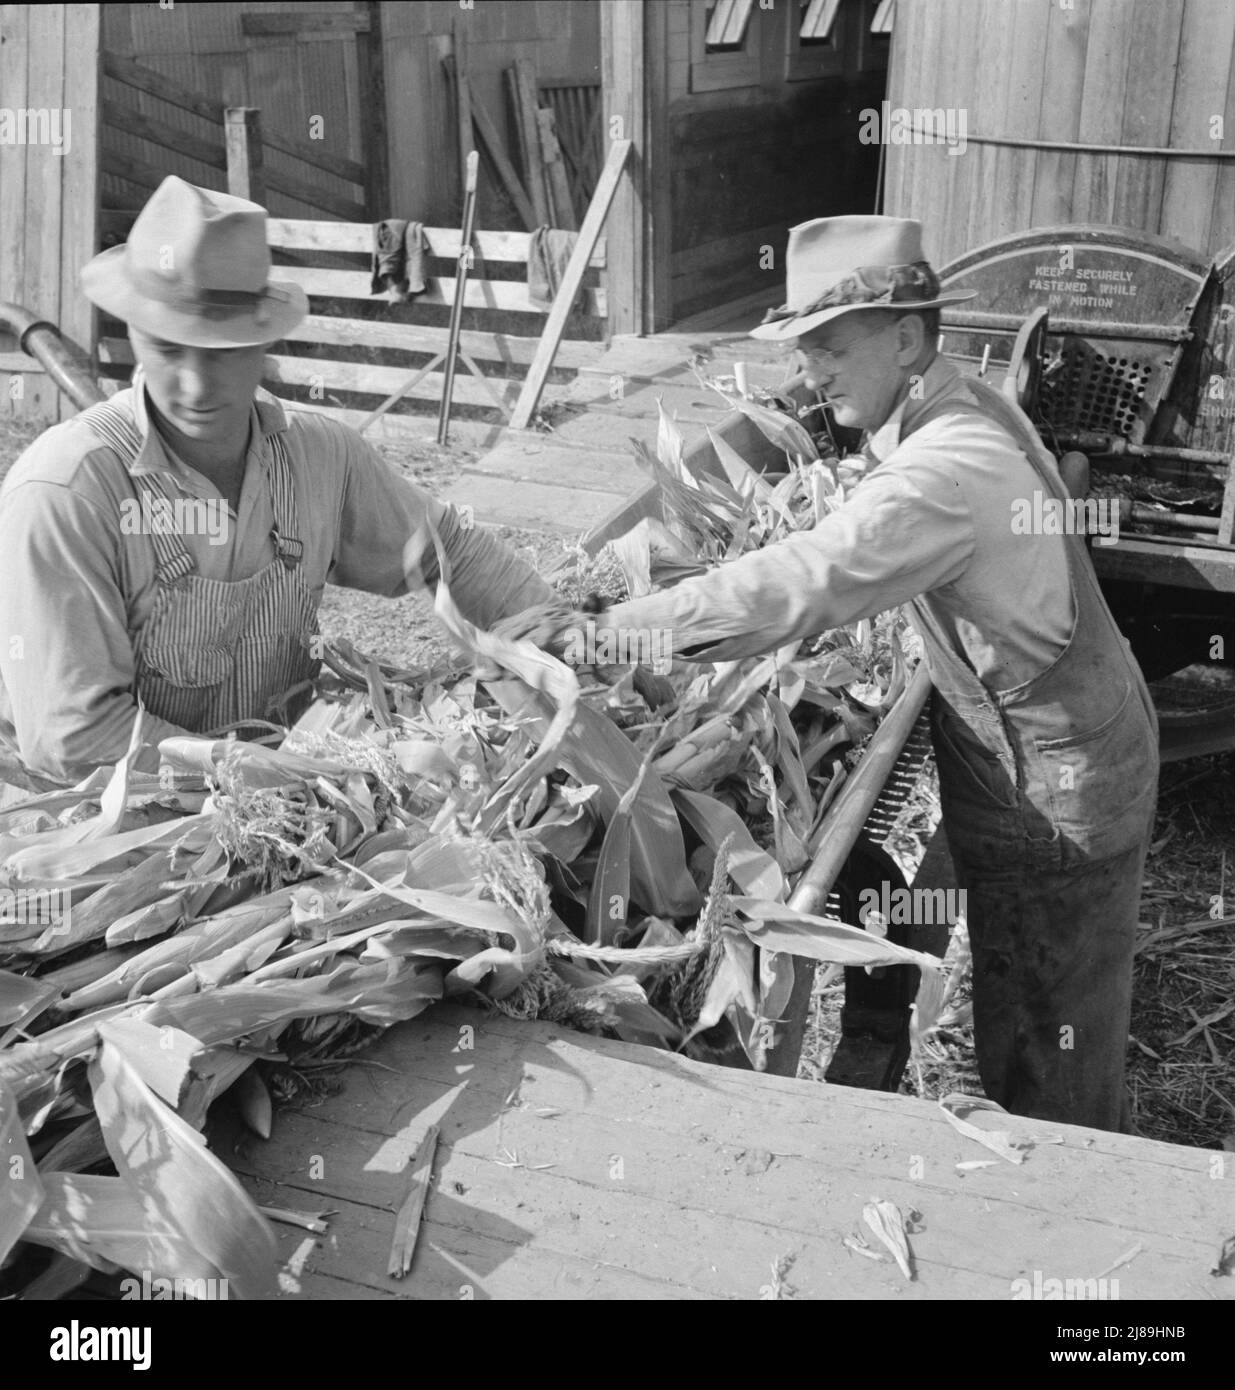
x=783, y=329
x=105, y=282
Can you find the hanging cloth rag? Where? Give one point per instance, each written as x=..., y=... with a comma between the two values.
x=400, y=252
x=548, y=256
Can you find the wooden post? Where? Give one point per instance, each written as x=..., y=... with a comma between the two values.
x=523, y=98
x=633, y=301
x=80, y=216
x=559, y=185
x=589, y=234
x=243, y=130
x=375, y=141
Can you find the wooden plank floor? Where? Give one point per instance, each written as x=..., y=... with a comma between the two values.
x=571, y=477
x=573, y=1167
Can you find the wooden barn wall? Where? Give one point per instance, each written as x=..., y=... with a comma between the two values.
x=290, y=78
x=748, y=162
x=559, y=38
x=48, y=199
x=1145, y=73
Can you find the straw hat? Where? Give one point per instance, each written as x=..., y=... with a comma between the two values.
x=196, y=270
x=837, y=265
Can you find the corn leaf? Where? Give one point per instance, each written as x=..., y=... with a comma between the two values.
x=596, y=752
x=168, y=1165
x=751, y=868
x=999, y=1141
x=778, y=927
x=106, y=1224
x=23, y=1190
x=22, y=998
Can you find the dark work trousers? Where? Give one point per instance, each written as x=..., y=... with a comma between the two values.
x=1048, y=791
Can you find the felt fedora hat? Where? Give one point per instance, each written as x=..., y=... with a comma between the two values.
x=836, y=265
x=196, y=270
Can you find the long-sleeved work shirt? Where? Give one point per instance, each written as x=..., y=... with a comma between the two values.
x=77, y=579
x=933, y=515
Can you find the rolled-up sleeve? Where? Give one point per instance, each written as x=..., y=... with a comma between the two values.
x=890, y=541
x=66, y=657
x=385, y=544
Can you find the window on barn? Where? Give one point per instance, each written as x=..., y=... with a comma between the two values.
x=727, y=24
x=877, y=36
x=818, y=33
x=724, y=44
x=816, y=20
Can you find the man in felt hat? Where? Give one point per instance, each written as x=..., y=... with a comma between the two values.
x=1044, y=732
x=171, y=545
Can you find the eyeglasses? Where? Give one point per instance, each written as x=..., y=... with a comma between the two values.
x=830, y=359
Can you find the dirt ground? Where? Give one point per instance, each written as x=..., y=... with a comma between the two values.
x=1181, y=1057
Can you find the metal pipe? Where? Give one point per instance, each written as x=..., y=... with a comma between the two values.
x=1114, y=446
x=63, y=361
x=456, y=308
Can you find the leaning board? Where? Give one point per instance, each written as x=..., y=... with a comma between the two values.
x=574, y=1167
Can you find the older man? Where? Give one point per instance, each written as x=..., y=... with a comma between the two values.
x=1044, y=732
x=171, y=545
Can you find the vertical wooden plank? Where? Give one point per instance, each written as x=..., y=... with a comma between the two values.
x=1015, y=167
x=1222, y=220
x=1102, y=101
x=79, y=238
x=372, y=148
x=976, y=202
x=243, y=127
x=625, y=96
x=657, y=224
x=14, y=45
x=1152, y=77
x=1059, y=114
x=572, y=279
x=1202, y=82
x=522, y=84
x=559, y=188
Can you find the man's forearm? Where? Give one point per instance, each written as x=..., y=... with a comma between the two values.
x=487, y=579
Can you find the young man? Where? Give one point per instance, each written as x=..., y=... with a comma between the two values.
x=171, y=545
x=1044, y=732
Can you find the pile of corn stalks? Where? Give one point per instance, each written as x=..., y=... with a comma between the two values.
x=596, y=847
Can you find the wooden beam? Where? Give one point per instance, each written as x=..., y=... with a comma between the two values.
x=356, y=238
x=242, y=127
x=559, y=186
x=624, y=78
x=589, y=233
x=144, y=79
x=372, y=84
x=125, y=118
x=79, y=231
x=490, y=140
x=290, y=25
x=522, y=88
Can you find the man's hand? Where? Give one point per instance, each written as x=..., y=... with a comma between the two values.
x=545, y=625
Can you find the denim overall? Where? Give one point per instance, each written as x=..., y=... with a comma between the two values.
x=1048, y=792
x=214, y=653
